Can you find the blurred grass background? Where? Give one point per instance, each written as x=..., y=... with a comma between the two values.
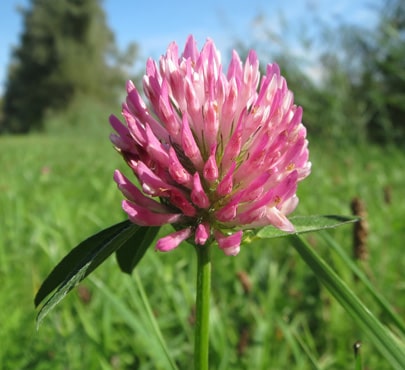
x=268, y=310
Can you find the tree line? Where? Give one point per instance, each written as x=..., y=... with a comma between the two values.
x=67, y=50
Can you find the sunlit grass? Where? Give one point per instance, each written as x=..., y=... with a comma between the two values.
x=268, y=310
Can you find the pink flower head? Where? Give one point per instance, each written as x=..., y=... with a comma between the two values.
x=215, y=152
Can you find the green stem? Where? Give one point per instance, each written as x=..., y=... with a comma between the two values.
x=201, y=343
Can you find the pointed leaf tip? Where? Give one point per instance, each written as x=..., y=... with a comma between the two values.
x=305, y=224
x=80, y=262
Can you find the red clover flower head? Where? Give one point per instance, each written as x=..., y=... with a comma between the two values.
x=214, y=153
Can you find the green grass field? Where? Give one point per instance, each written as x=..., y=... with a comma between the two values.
x=268, y=310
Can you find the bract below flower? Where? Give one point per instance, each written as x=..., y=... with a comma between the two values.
x=214, y=152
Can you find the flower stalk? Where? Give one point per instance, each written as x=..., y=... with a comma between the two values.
x=201, y=342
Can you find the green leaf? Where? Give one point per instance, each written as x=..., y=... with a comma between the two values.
x=64, y=267
x=133, y=249
x=80, y=262
x=382, y=338
x=305, y=224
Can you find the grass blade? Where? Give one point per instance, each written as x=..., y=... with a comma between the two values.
x=153, y=322
x=384, y=304
x=377, y=333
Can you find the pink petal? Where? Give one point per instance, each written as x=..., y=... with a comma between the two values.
x=228, y=111
x=228, y=211
x=235, y=67
x=229, y=244
x=136, y=129
x=211, y=124
x=172, y=52
x=256, y=158
x=277, y=219
x=120, y=144
x=123, y=140
x=191, y=97
x=254, y=188
x=155, y=148
x=145, y=217
x=137, y=107
x=166, y=112
x=276, y=195
x=173, y=240
x=226, y=185
x=289, y=205
x=117, y=125
x=233, y=148
x=179, y=200
x=189, y=145
x=198, y=195
x=177, y=171
x=210, y=168
x=202, y=233
x=132, y=193
x=251, y=72
x=190, y=50
x=152, y=184
x=151, y=83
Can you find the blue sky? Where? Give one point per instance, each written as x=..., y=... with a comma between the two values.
x=154, y=24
